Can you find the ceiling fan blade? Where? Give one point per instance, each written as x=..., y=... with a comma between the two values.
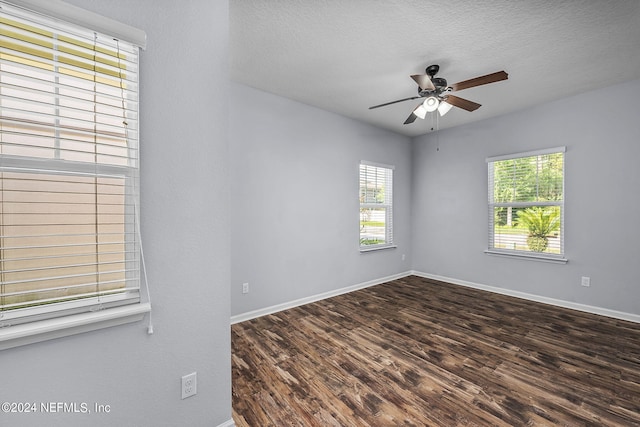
x=423, y=81
x=393, y=102
x=482, y=80
x=465, y=104
x=412, y=118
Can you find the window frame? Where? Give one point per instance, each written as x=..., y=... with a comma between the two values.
x=386, y=204
x=63, y=319
x=492, y=204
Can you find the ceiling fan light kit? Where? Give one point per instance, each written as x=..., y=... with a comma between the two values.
x=431, y=104
x=420, y=111
x=436, y=91
x=444, y=107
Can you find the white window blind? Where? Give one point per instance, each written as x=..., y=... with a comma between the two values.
x=526, y=204
x=69, y=238
x=376, y=206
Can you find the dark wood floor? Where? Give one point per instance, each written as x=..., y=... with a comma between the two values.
x=416, y=352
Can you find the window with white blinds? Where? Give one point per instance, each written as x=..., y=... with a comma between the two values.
x=69, y=238
x=376, y=206
x=526, y=204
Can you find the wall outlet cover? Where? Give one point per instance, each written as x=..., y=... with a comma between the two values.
x=189, y=385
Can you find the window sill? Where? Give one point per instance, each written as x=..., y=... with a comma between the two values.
x=29, y=333
x=373, y=248
x=557, y=259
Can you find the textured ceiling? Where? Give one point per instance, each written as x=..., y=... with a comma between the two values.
x=347, y=55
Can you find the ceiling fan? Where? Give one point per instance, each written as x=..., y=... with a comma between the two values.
x=437, y=93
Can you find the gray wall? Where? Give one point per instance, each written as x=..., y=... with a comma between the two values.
x=290, y=236
x=185, y=231
x=294, y=185
x=602, y=202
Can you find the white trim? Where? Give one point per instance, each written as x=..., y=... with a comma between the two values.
x=527, y=154
x=78, y=16
x=526, y=204
x=33, y=332
x=537, y=298
x=377, y=165
x=372, y=248
x=228, y=423
x=528, y=256
x=517, y=294
x=302, y=301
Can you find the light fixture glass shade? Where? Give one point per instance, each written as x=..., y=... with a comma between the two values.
x=430, y=104
x=420, y=111
x=444, y=108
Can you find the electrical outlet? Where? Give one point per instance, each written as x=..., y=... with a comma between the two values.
x=586, y=281
x=245, y=288
x=189, y=385
x=403, y=257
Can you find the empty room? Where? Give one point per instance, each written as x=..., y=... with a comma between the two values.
x=447, y=316
x=302, y=213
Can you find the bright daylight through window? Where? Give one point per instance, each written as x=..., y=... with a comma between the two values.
x=69, y=240
x=376, y=206
x=526, y=204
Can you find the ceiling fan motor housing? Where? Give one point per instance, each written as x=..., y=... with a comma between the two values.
x=440, y=85
x=439, y=82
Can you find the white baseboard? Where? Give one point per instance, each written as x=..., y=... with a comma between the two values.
x=523, y=295
x=531, y=297
x=228, y=423
x=296, y=303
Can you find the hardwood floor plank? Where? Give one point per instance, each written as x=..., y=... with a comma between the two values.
x=416, y=352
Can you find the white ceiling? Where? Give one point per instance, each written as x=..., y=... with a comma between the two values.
x=347, y=55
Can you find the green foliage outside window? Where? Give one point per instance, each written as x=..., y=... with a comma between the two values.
x=526, y=200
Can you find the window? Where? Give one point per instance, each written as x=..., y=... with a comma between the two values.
x=69, y=237
x=526, y=204
x=376, y=206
